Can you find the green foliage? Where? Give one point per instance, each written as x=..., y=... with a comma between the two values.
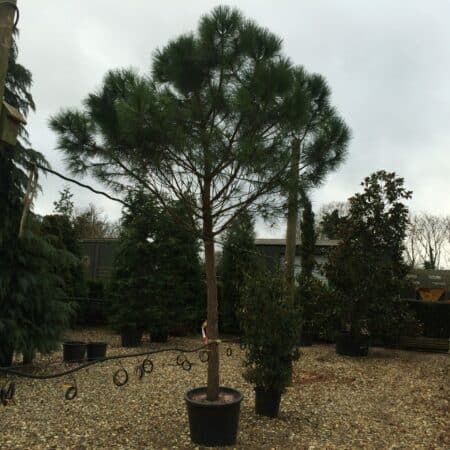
x=33, y=314
x=316, y=127
x=212, y=114
x=34, y=310
x=331, y=223
x=60, y=233
x=367, y=268
x=64, y=205
x=270, y=323
x=238, y=262
x=207, y=127
x=157, y=281
x=18, y=83
x=308, y=239
x=320, y=307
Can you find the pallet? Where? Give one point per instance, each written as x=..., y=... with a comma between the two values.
x=425, y=343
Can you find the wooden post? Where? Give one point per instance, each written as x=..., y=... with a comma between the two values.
x=292, y=215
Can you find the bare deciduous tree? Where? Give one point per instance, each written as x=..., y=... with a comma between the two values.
x=426, y=239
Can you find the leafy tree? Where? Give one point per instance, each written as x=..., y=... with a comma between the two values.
x=238, y=261
x=208, y=128
x=271, y=333
x=64, y=205
x=157, y=281
x=331, y=224
x=367, y=268
x=331, y=218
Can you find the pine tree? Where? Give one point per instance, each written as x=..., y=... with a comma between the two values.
x=208, y=127
x=238, y=261
x=318, y=145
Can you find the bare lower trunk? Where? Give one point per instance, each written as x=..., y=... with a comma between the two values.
x=292, y=216
x=213, y=328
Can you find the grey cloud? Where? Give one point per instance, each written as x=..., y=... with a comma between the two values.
x=386, y=62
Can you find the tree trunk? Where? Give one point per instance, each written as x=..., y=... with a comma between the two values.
x=292, y=216
x=212, y=317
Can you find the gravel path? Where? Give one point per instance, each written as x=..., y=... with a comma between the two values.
x=392, y=399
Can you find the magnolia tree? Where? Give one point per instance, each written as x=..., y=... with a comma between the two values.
x=207, y=127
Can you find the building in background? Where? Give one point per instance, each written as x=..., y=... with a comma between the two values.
x=98, y=257
x=273, y=252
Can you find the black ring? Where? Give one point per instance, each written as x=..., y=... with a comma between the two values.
x=139, y=371
x=229, y=351
x=71, y=393
x=181, y=359
x=186, y=365
x=116, y=377
x=147, y=365
x=203, y=355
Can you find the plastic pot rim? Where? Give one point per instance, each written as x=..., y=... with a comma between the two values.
x=214, y=404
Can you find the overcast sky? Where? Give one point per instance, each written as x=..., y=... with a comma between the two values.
x=387, y=63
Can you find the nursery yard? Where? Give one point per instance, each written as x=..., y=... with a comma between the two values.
x=392, y=399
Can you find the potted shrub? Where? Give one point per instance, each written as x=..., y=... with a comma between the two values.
x=269, y=319
x=159, y=320
x=127, y=316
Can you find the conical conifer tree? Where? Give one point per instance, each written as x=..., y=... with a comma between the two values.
x=33, y=313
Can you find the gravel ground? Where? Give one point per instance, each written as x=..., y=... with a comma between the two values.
x=392, y=399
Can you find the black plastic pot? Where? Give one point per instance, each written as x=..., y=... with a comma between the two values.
x=131, y=338
x=213, y=424
x=267, y=402
x=6, y=357
x=159, y=337
x=74, y=351
x=96, y=350
x=349, y=345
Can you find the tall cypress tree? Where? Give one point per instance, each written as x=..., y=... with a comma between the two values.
x=238, y=260
x=308, y=238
